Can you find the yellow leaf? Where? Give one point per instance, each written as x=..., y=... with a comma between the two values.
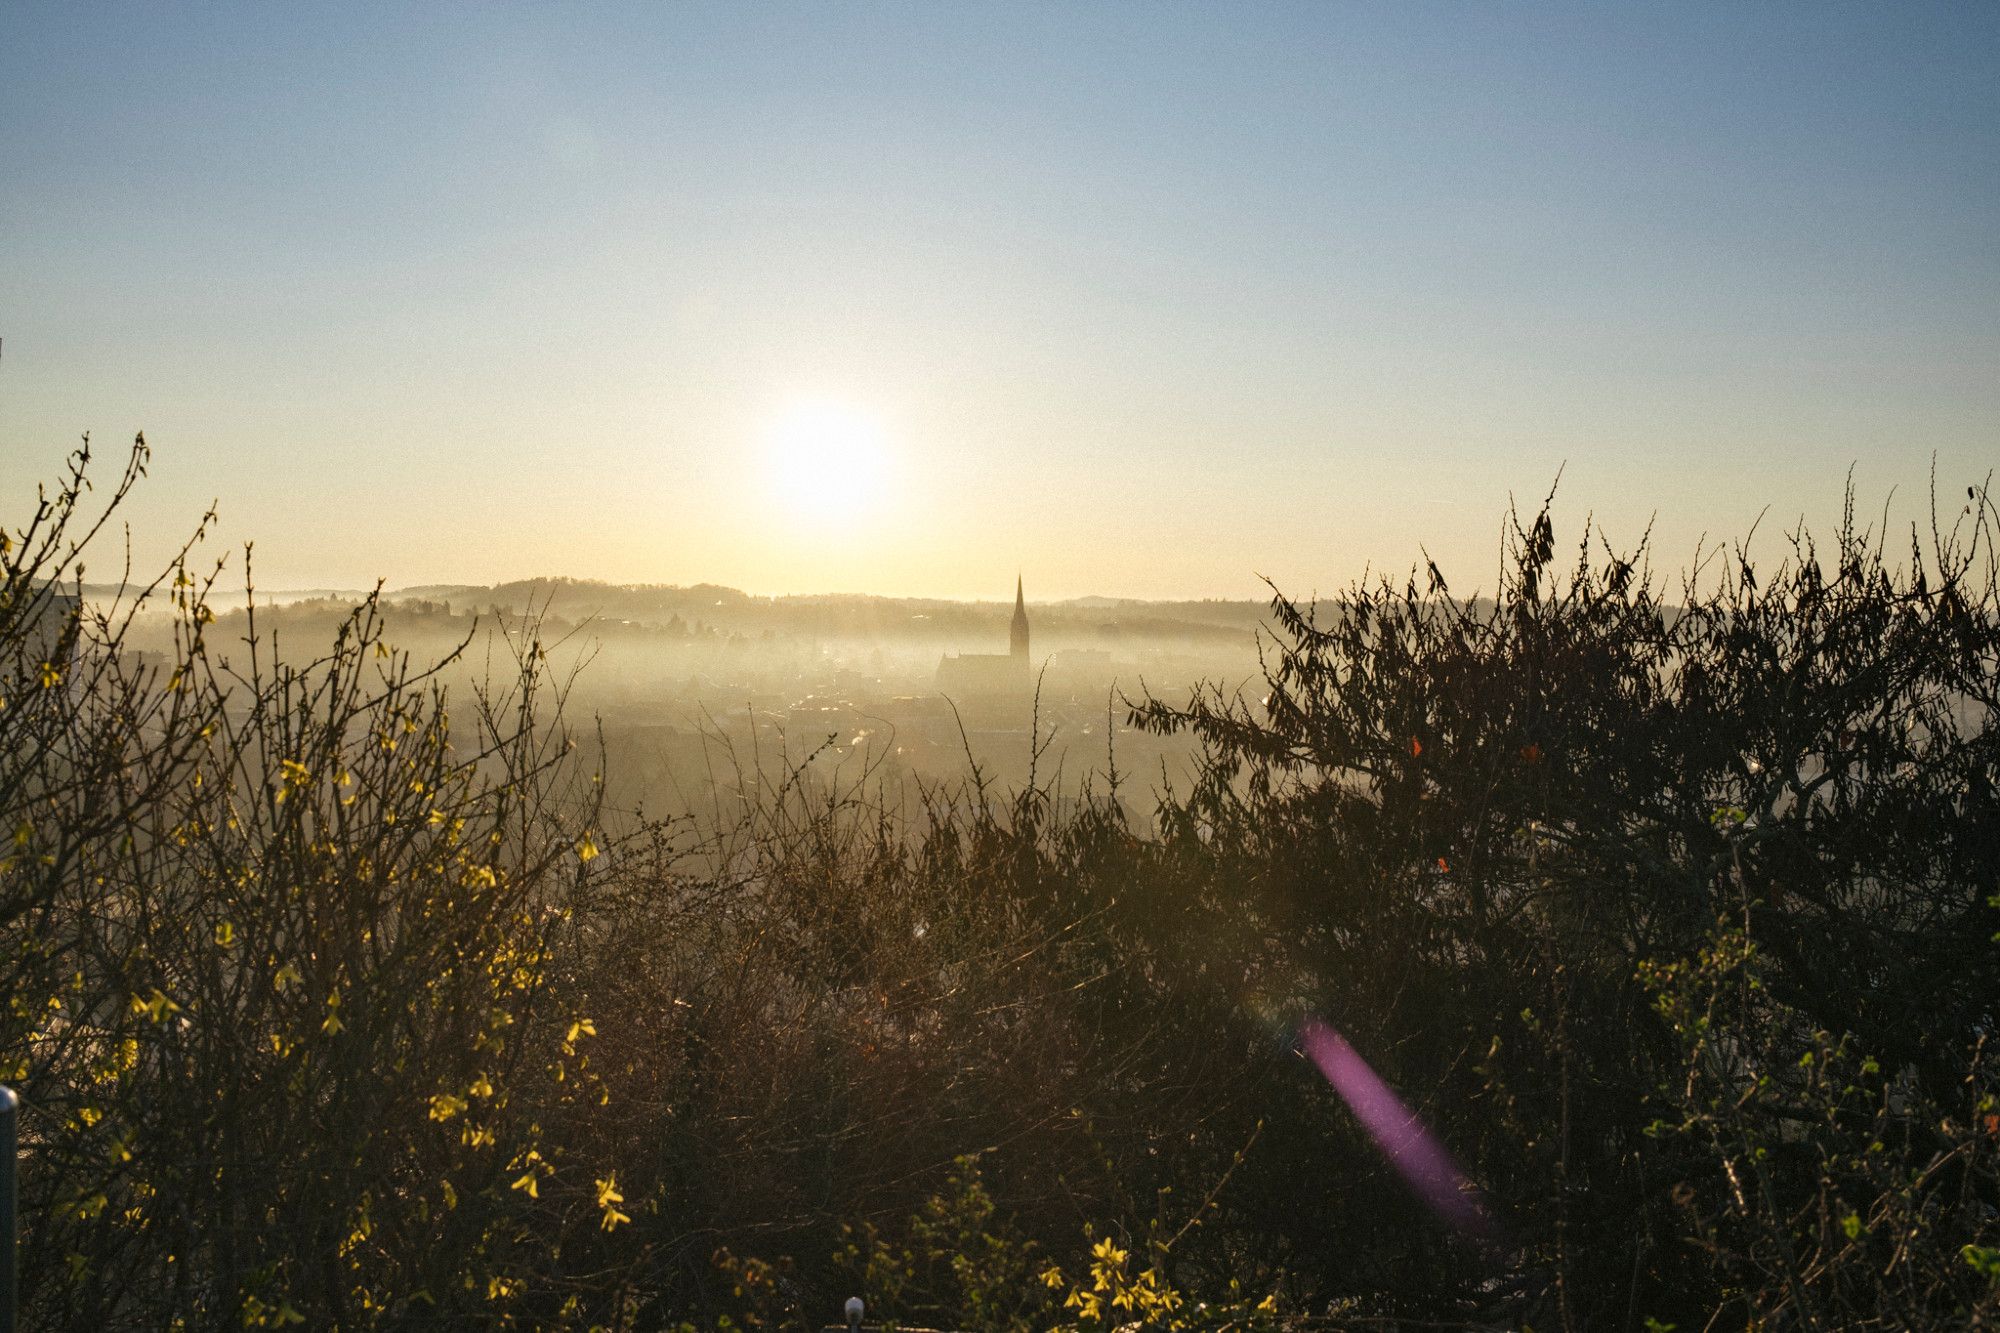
x=157, y=1007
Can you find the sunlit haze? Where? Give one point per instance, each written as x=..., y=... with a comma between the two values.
x=830, y=468
x=904, y=298
x=985, y=664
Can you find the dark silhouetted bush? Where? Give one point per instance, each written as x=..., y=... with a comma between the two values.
x=334, y=1001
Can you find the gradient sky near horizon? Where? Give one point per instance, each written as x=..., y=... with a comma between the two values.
x=1142, y=300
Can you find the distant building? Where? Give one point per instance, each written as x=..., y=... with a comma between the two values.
x=991, y=673
x=44, y=629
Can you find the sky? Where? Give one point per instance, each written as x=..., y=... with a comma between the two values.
x=1134, y=299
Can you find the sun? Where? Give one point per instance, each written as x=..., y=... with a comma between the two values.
x=828, y=462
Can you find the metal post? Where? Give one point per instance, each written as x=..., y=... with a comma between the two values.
x=10, y=1140
x=853, y=1314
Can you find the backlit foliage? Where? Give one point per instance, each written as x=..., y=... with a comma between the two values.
x=337, y=1001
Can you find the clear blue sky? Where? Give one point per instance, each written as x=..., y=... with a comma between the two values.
x=1143, y=299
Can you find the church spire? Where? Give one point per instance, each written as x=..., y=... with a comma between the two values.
x=1017, y=637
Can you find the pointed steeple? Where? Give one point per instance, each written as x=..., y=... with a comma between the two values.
x=1017, y=637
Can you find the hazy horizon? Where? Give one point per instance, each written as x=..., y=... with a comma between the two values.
x=1245, y=666
x=225, y=590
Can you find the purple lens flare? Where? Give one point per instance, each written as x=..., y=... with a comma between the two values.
x=1410, y=1148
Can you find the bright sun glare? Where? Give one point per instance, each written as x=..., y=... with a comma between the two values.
x=828, y=462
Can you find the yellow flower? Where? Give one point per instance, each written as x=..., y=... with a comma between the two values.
x=527, y=1182
x=157, y=1007
x=608, y=1198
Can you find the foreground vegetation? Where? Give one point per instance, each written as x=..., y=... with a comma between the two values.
x=334, y=1002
